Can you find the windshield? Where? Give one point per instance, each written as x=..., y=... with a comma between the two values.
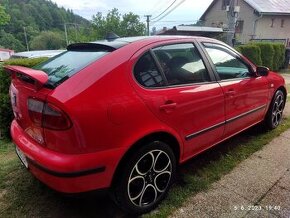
x=63, y=66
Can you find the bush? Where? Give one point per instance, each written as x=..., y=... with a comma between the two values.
x=282, y=54
x=276, y=58
x=252, y=52
x=267, y=53
x=279, y=56
x=271, y=55
x=6, y=114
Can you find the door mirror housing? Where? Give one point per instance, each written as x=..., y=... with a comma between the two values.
x=262, y=71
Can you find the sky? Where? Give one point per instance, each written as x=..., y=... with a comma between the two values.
x=188, y=11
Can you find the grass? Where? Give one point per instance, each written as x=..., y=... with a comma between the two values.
x=284, y=71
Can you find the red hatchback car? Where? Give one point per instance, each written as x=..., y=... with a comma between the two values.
x=124, y=113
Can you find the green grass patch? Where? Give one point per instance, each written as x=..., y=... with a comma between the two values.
x=199, y=173
x=285, y=71
x=21, y=195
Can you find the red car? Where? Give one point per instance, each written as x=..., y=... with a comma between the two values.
x=123, y=113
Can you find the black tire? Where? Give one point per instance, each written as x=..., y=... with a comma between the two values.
x=145, y=179
x=274, y=115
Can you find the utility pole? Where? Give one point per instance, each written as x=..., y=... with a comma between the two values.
x=148, y=20
x=232, y=14
x=25, y=36
x=65, y=32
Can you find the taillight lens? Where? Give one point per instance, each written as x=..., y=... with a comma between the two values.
x=35, y=108
x=47, y=115
x=55, y=118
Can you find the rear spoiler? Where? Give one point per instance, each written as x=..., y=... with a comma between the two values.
x=38, y=76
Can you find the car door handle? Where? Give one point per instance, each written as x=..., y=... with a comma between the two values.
x=230, y=92
x=168, y=106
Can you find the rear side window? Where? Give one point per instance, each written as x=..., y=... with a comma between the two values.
x=181, y=64
x=146, y=72
x=67, y=64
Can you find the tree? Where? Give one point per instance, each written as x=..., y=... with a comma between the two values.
x=36, y=16
x=47, y=40
x=4, y=18
x=126, y=25
x=131, y=25
x=7, y=40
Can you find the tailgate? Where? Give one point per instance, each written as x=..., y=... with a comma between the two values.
x=27, y=84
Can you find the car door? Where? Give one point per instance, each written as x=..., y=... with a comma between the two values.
x=177, y=87
x=246, y=95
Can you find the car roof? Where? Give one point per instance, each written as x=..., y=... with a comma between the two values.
x=117, y=43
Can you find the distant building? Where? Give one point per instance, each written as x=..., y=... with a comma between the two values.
x=258, y=19
x=192, y=31
x=5, y=54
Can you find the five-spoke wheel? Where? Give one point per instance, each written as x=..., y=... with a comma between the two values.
x=146, y=178
x=274, y=115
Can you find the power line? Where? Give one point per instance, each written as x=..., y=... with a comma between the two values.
x=158, y=7
x=169, y=11
x=164, y=10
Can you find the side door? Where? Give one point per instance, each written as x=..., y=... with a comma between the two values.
x=246, y=95
x=175, y=84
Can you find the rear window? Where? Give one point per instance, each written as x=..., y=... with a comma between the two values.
x=63, y=66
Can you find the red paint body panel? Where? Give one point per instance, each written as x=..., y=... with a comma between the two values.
x=242, y=96
x=110, y=112
x=64, y=163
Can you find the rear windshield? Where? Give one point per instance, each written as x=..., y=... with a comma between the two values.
x=63, y=66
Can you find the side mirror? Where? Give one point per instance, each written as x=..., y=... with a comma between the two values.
x=262, y=71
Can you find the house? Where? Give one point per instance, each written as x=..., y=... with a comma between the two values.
x=257, y=19
x=5, y=54
x=187, y=30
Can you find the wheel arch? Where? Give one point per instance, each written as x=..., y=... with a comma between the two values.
x=161, y=136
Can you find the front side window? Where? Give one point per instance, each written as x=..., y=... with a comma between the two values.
x=227, y=65
x=181, y=64
x=146, y=72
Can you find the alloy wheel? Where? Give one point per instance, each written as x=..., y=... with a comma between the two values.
x=149, y=178
x=277, y=110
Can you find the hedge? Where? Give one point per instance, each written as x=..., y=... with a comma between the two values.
x=267, y=54
x=271, y=55
x=6, y=114
x=252, y=52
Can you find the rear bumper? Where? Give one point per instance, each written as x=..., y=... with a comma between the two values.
x=67, y=173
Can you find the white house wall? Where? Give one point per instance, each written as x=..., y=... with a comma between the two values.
x=216, y=16
x=264, y=29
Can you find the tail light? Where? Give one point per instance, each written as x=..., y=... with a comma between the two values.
x=47, y=115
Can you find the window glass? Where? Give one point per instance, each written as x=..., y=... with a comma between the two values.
x=63, y=66
x=225, y=3
x=146, y=72
x=181, y=64
x=239, y=26
x=227, y=65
